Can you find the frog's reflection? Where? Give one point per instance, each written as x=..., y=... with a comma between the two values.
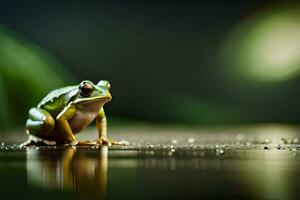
x=69, y=169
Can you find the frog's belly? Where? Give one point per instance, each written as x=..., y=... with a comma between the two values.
x=81, y=120
x=85, y=114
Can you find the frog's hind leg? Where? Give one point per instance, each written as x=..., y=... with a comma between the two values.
x=39, y=126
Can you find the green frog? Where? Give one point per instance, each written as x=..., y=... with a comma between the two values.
x=68, y=110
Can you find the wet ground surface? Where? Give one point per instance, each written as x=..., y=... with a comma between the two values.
x=247, y=162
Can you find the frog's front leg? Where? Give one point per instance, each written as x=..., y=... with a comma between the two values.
x=64, y=126
x=101, y=124
x=65, y=129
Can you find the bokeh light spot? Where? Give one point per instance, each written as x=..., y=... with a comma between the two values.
x=266, y=46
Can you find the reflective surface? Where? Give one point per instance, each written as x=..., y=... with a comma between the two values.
x=180, y=167
x=82, y=173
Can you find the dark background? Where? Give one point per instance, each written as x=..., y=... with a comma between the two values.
x=167, y=61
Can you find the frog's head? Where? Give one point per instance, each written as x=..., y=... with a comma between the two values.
x=88, y=92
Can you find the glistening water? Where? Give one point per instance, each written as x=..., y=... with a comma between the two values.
x=257, y=162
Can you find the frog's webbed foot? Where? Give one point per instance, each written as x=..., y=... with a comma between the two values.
x=102, y=141
x=109, y=142
x=87, y=143
x=32, y=140
x=72, y=143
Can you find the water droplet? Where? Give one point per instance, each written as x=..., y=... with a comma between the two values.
x=295, y=141
x=174, y=141
x=191, y=140
x=240, y=137
x=267, y=141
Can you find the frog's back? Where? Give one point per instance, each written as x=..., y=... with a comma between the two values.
x=57, y=99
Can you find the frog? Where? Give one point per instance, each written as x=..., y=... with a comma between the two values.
x=66, y=111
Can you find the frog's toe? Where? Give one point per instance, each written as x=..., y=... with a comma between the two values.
x=87, y=143
x=72, y=143
x=48, y=142
x=108, y=142
x=103, y=141
x=26, y=143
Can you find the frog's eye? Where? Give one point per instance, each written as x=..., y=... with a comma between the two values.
x=85, y=89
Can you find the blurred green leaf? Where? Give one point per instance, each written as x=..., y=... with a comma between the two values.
x=27, y=73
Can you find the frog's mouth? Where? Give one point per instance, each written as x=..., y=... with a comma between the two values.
x=94, y=99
